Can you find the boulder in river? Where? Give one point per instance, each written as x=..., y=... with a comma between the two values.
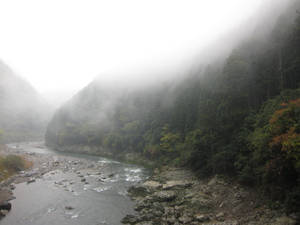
x=31, y=181
x=69, y=208
x=4, y=212
x=5, y=206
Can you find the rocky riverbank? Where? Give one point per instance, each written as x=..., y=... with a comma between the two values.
x=41, y=165
x=71, y=177
x=169, y=196
x=176, y=196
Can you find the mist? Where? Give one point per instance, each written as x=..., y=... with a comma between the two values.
x=158, y=70
x=154, y=48
x=24, y=113
x=136, y=89
x=177, y=67
x=68, y=51
x=156, y=66
x=149, y=112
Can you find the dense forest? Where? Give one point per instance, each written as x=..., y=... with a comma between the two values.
x=238, y=117
x=23, y=113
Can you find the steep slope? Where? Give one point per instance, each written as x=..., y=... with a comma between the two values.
x=239, y=118
x=107, y=114
x=23, y=114
x=99, y=116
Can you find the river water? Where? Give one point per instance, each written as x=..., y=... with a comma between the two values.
x=60, y=197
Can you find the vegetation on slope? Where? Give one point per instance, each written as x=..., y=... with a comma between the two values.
x=240, y=118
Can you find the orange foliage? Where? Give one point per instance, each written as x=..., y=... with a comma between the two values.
x=283, y=124
x=285, y=139
x=277, y=115
x=287, y=107
x=295, y=102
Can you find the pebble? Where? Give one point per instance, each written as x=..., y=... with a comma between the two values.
x=69, y=208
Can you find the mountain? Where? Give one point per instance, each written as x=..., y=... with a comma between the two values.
x=238, y=117
x=23, y=113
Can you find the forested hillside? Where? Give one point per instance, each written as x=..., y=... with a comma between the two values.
x=23, y=114
x=238, y=118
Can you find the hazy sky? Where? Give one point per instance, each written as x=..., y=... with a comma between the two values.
x=63, y=44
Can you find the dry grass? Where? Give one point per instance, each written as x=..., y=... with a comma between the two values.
x=11, y=164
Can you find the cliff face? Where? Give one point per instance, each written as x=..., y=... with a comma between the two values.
x=23, y=113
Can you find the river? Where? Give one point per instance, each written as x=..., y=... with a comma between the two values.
x=82, y=190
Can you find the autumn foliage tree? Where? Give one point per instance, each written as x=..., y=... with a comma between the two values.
x=285, y=131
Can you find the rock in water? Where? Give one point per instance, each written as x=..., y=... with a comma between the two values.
x=31, y=181
x=5, y=206
x=69, y=208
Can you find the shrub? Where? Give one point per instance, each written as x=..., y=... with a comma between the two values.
x=13, y=162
